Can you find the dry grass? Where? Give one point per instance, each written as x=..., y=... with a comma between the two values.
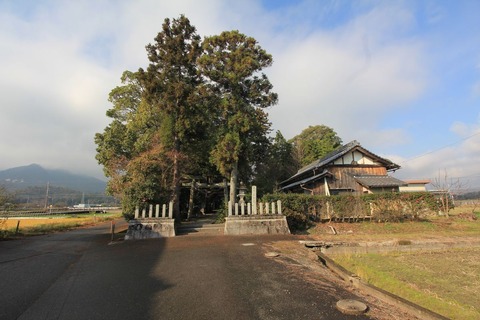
x=446, y=282
x=34, y=226
x=461, y=223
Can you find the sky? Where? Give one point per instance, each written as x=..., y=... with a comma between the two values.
x=400, y=77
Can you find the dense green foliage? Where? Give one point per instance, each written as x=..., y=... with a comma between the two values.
x=196, y=113
x=313, y=143
x=302, y=209
x=231, y=63
x=278, y=165
x=158, y=120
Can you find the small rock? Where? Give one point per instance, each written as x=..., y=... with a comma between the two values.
x=351, y=307
x=272, y=254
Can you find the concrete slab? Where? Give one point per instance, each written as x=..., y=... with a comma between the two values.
x=261, y=224
x=149, y=228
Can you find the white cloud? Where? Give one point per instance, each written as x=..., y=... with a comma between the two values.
x=61, y=59
x=458, y=160
x=348, y=78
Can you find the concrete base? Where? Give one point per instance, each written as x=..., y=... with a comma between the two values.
x=150, y=228
x=259, y=224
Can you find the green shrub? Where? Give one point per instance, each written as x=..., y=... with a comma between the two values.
x=302, y=209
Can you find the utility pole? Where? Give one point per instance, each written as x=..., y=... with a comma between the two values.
x=46, y=195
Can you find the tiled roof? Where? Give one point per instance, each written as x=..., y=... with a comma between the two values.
x=331, y=156
x=337, y=153
x=309, y=179
x=373, y=181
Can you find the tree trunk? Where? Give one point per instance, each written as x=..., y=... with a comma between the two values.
x=176, y=182
x=225, y=192
x=190, y=200
x=233, y=183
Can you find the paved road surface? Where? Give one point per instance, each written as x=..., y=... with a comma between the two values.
x=79, y=275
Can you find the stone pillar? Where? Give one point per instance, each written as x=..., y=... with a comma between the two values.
x=242, y=208
x=137, y=212
x=254, y=199
x=164, y=210
x=261, y=208
x=230, y=209
x=170, y=210
x=144, y=214
x=157, y=211
x=236, y=209
x=267, y=208
x=150, y=211
x=279, y=206
x=273, y=207
x=249, y=209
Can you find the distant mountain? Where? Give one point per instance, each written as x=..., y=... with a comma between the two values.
x=35, y=175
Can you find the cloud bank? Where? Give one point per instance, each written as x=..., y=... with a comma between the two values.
x=371, y=70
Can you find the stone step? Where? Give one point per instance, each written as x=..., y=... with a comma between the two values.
x=200, y=228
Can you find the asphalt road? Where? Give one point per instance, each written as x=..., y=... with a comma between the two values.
x=81, y=275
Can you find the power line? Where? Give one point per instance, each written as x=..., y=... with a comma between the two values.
x=441, y=148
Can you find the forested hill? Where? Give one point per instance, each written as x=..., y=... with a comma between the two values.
x=34, y=175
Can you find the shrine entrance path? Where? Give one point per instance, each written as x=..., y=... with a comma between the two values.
x=201, y=226
x=82, y=275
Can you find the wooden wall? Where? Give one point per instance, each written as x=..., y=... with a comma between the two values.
x=343, y=177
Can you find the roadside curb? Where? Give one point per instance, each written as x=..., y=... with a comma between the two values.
x=381, y=294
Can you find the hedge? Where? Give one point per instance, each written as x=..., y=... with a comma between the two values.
x=303, y=209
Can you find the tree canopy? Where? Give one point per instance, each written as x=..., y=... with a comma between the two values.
x=231, y=63
x=278, y=165
x=313, y=143
x=196, y=110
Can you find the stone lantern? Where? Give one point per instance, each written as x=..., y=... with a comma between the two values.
x=242, y=192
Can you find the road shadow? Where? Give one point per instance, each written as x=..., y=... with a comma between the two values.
x=89, y=277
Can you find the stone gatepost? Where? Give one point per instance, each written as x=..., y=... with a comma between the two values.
x=255, y=222
x=254, y=200
x=152, y=226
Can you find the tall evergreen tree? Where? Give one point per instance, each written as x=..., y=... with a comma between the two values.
x=159, y=117
x=172, y=90
x=232, y=63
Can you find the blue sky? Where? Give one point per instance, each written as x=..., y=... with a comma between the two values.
x=401, y=77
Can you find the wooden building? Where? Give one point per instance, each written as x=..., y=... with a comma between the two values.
x=348, y=169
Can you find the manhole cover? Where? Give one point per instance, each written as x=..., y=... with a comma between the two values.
x=352, y=307
x=272, y=254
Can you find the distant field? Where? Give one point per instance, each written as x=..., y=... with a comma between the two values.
x=32, y=226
